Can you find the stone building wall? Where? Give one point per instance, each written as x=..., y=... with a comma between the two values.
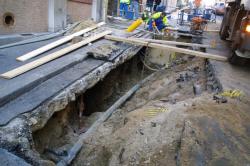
x=79, y=10
x=33, y=16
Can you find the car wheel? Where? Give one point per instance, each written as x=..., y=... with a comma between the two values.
x=236, y=60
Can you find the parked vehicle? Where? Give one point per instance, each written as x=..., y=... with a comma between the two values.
x=219, y=8
x=235, y=27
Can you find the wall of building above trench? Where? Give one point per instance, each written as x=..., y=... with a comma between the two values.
x=34, y=16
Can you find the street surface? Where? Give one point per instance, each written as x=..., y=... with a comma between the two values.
x=178, y=117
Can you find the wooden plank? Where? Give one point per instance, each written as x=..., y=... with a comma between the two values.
x=174, y=43
x=34, y=64
x=56, y=43
x=189, y=52
x=166, y=47
x=212, y=30
x=172, y=28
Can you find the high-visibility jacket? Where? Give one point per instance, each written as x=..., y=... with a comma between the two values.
x=125, y=1
x=158, y=15
x=145, y=16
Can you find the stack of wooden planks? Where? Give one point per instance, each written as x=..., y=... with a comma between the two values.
x=50, y=46
x=34, y=64
x=159, y=44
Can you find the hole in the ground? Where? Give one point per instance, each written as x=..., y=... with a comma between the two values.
x=8, y=19
x=63, y=129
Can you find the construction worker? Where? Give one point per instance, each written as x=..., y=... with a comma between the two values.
x=150, y=4
x=145, y=16
x=135, y=7
x=156, y=4
x=158, y=20
x=124, y=7
x=197, y=3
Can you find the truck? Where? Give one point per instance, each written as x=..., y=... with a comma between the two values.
x=235, y=27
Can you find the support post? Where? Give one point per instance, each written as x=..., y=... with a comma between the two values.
x=99, y=10
x=57, y=15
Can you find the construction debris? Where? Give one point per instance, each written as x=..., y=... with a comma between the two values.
x=232, y=93
x=219, y=99
x=105, y=52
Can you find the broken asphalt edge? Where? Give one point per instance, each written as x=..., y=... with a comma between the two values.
x=37, y=118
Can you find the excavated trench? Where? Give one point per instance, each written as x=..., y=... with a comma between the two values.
x=147, y=130
x=64, y=127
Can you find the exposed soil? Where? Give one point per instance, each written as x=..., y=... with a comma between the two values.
x=164, y=123
x=172, y=120
x=82, y=25
x=64, y=127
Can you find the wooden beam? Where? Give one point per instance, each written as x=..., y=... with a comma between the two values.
x=172, y=28
x=212, y=30
x=56, y=43
x=174, y=43
x=34, y=64
x=166, y=47
x=189, y=52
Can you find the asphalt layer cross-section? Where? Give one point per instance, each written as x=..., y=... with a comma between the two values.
x=29, y=90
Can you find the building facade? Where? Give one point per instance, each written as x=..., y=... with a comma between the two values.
x=30, y=16
x=79, y=10
x=23, y=16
